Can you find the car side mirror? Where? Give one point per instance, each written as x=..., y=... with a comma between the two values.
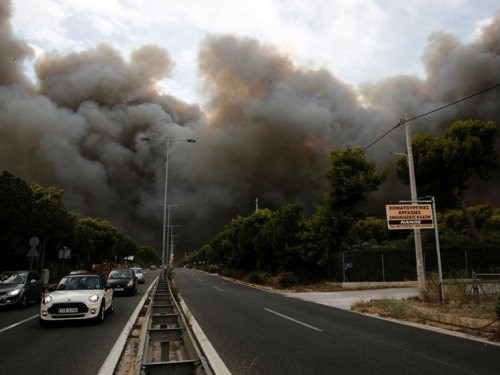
x=51, y=288
x=108, y=286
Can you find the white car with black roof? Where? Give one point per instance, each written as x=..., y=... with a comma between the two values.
x=77, y=297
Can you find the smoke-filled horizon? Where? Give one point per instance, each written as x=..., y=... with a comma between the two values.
x=265, y=131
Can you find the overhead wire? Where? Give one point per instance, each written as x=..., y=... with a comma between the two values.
x=401, y=122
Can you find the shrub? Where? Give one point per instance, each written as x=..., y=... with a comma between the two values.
x=286, y=279
x=213, y=268
x=497, y=307
x=255, y=278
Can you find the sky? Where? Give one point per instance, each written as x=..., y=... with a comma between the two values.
x=356, y=40
x=266, y=88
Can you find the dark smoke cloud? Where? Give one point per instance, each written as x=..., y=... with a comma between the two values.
x=266, y=130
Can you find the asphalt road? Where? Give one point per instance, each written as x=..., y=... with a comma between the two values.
x=68, y=348
x=259, y=332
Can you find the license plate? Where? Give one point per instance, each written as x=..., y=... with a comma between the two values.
x=68, y=311
x=119, y=289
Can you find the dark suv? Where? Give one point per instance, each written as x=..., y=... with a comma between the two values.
x=20, y=287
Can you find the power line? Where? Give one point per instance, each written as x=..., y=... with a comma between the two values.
x=401, y=122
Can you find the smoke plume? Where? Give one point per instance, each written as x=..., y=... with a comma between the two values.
x=266, y=130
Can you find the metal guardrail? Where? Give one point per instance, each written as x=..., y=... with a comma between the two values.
x=167, y=345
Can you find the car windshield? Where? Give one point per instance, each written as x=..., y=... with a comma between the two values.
x=138, y=270
x=79, y=283
x=12, y=278
x=120, y=274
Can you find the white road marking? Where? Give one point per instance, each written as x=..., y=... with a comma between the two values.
x=15, y=325
x=200, y=280
x=293, y=320
x=219, y=289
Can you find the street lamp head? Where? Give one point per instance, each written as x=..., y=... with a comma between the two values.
x=145, y=139
x=191, y=140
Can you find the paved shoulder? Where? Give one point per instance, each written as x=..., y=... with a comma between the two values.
x=345, y=299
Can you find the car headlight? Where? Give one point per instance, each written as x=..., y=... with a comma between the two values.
x=94, y=298
x=46, y=300
x=14, y=292
x=130, y=283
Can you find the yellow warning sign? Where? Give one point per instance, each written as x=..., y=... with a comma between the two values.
x=413, y=216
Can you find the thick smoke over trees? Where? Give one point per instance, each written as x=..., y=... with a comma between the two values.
x=266, y=130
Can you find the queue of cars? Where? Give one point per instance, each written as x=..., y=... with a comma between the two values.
x=80, y=295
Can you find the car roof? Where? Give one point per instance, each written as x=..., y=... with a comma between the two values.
x=82, y=274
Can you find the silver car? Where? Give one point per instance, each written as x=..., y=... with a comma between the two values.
x=140, y=274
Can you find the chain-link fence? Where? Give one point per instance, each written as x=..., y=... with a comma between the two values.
x=401, y=265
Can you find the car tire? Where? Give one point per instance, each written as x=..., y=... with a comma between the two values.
x=111, y=309
x=23, y=301
x=43, y=323
x=102, y=313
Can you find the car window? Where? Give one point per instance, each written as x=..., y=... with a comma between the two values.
x=71, y=283
x=91, y=283
x=12, y=278
x=121, y=274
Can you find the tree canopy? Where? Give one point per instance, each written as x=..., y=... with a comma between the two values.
x=444, y=165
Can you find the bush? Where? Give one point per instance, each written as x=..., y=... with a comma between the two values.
x=255, y=278
x=307, y=276
x=213, y=269
x=286, y=279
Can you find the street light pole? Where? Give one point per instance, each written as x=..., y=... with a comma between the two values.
x=163, y=253
x=414, y=197
x=171, y=254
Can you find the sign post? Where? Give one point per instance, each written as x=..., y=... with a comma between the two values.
x=419, y=214
x=33, y=253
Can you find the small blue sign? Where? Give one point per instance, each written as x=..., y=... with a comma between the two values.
x=347, y=265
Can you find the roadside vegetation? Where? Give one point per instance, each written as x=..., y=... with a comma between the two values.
x=462, y=311
x=34, y=211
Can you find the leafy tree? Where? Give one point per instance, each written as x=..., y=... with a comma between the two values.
x=105, y=237
x=148, y=255
x=50, y=220
x=351, y=178
x=16, y=201
x=125, y=247
x=443, y=166
x=278, y=241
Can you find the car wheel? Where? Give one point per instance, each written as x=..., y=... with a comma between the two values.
x=23, y=302
x=102, y=313
x=112, y=306
x=43, y=323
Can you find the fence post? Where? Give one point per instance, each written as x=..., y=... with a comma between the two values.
x=383, y=270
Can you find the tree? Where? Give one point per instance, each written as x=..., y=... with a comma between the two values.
x=148, y=255
x=16, y=201
x=50, y=220
x=351, y=178
x=105, y=238
x=443, y=166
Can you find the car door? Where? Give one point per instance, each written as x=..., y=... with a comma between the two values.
x=34, y=288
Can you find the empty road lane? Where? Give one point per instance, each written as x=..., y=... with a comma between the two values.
x=259, y=332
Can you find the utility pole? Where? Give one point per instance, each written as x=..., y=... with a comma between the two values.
x=256, y=204
x=413, y=187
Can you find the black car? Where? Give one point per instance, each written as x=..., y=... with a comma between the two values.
x=18, y=288
x=123, y=281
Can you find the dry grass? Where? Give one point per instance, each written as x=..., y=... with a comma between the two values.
x=460, y=312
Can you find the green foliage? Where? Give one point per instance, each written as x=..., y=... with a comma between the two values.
x=286, y=279
x=147, y=255
x=255, y=278
x=35, y=211
x=444, y=166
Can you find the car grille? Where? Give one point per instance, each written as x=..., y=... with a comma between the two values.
x=54, y=310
